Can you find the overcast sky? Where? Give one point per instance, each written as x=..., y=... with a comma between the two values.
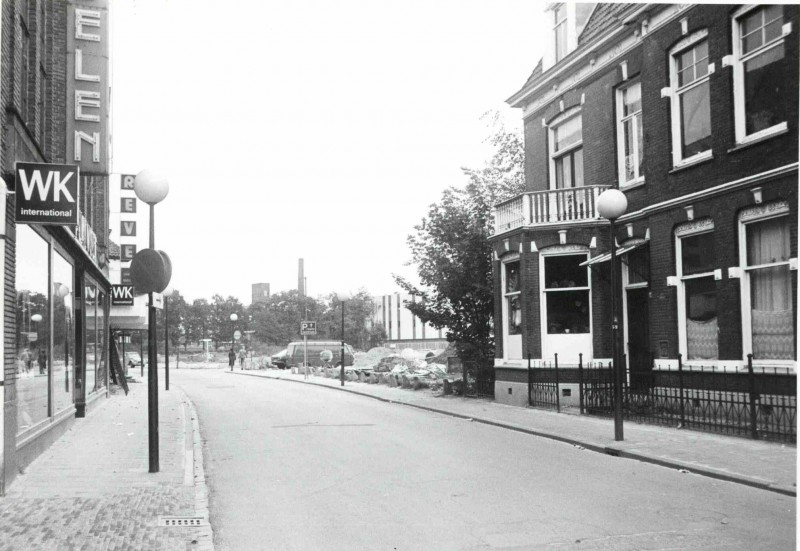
x=308, y=129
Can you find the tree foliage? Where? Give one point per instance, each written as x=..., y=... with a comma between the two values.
x=451, y=249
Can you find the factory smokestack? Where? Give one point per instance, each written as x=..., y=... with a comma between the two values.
x=301, y=287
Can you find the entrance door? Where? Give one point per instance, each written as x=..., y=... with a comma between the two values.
x=639, y=359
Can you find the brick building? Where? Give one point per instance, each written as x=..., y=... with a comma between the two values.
x=691, y=111
x=54, y=90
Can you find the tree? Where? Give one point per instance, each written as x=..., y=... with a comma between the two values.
x=358, y=328
x=451, y=249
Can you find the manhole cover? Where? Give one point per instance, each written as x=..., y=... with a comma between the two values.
x=182, y=521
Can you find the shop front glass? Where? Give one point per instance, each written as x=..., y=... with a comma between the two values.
x=63, y=364
x=100, y=341
x=90, y=294
x=33, y=321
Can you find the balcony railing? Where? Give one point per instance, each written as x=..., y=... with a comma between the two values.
x=547, y=207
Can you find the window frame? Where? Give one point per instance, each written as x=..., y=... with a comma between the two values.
x=676, y=92
x=738, y=61
x=745, y=219
x=507, y=296
x=562, y=25
x=621, y=120
x=545, y=289
x=704, y=226
x=569, y=150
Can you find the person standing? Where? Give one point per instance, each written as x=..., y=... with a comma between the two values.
x=42, y=360
x=231, y=358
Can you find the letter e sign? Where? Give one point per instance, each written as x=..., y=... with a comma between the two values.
x=128, y=252
x=128, y=204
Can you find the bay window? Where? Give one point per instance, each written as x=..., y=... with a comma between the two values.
x=512, y=296
x=566, y=290
x=761, y=92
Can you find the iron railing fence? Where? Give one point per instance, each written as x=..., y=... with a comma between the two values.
x=756, y=403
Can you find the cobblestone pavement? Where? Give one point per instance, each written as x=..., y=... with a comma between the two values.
x=92, y=490
x=766, y=465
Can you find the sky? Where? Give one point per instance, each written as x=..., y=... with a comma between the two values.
x=308, y=129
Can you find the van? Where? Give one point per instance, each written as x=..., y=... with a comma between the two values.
x=294, y=353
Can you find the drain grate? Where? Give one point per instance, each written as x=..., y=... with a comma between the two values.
x=182, y=521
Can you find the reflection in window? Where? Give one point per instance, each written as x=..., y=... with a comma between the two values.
x=772, y=311
x=33, y=320
x=512, y=298
x=90, y=298
x=762, y=66
x=567, y=294
x=63, y=364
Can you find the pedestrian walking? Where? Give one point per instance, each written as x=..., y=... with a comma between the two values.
x=42, y=360
x=242, y=356
x=231, y=358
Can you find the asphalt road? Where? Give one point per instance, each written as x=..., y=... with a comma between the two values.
x=294, y=466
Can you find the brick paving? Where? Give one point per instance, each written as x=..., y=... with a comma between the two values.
x=766, y=465
x=92, y=490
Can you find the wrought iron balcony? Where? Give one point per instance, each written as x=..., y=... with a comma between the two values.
x=556, y=206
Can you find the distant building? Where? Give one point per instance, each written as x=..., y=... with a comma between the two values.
x=260, y=292
x=403, y=329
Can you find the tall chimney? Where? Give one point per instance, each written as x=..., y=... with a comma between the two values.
x=301, y=288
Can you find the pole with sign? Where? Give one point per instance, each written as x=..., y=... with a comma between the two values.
x=307, y=328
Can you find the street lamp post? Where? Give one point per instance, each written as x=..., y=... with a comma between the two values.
x=151, y=188
x=611, y=204
x=234, y=317
x=343, y=297
x=166, y=340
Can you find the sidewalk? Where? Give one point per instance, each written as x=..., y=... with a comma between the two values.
x=92, y=490
x=765, y=465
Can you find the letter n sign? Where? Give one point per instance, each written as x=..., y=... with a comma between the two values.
x=127, y=252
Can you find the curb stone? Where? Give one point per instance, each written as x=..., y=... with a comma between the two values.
x=607, y=450
x=205, y=538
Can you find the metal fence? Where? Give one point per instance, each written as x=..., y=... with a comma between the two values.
x=479, y=377
x=756, y=403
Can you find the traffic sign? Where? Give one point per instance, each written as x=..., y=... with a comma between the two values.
x=308, y=327
x=237, y=334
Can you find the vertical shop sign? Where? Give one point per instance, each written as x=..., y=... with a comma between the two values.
x=87, y=85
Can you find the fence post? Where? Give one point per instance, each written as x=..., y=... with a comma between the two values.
x=752, y=384
x=529, y=378
x=558, y=398
x=680, y=387
x=580, y=380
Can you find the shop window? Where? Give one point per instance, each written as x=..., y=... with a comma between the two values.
x=63, y=364
x=512, y=297
x=691, y=100
x=629, y=134
x=697, y=305
x=101, y=348
x=91, y=352
x=768, y=287
x=32, y=339
x=761, y=91
x=566, y=294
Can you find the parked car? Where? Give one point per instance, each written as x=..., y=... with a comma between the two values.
x=133, y=357
x=279, y=359
x=295, y=351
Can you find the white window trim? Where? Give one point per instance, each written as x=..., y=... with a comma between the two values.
x=506, y=335
x=551, y=130
x=556, y=25
x=621, y=139
x=675, y=97
x=738, y=81
x=566, y=250
x=745, y=218
x=704, y=226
